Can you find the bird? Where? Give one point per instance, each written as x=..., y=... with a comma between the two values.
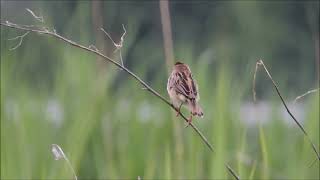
x=183, y=90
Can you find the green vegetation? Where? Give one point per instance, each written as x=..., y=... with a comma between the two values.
x=110, y=128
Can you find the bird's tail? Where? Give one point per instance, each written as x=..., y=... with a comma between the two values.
x=195, y=108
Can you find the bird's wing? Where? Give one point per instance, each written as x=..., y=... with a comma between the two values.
x=185, y=85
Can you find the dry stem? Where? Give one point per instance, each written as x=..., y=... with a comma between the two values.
x=260, y=63
x=20, y=40
x=120, y=44
x=39, y=18
x=308, y=92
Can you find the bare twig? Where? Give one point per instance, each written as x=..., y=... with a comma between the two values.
x=59, y=154
x=122, y=37
x=105, y=32
x=20, y=40
x=254, y=83
x=120, y=55
x=308, y=92
x=260, y=63
x=120, y=66
x=39, y=18
x=22, y=25
x=120, y=44
x=93, y=47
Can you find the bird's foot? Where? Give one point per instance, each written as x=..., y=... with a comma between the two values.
x=178, y=113
x=189, y=121
x=178, y=110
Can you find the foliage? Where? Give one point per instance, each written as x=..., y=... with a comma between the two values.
x=110, y=128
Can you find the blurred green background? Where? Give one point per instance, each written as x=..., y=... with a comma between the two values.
x=52, y=93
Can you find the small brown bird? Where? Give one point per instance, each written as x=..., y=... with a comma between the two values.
x=183, y=89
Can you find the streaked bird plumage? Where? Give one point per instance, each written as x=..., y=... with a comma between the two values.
x=183, y=89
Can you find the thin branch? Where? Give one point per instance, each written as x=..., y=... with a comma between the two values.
x=122, y=37
x=120, y=55
x=254, y=83
x=105, y=32
x=39, y=18
x=260, y=63
x=120, y=44
x=20, y=40
x=309, y=92
x=134, y=76
x=93, y=47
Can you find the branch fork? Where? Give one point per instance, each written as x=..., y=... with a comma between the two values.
x=117, y=45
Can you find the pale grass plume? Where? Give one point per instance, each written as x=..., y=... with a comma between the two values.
x=58, y=154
